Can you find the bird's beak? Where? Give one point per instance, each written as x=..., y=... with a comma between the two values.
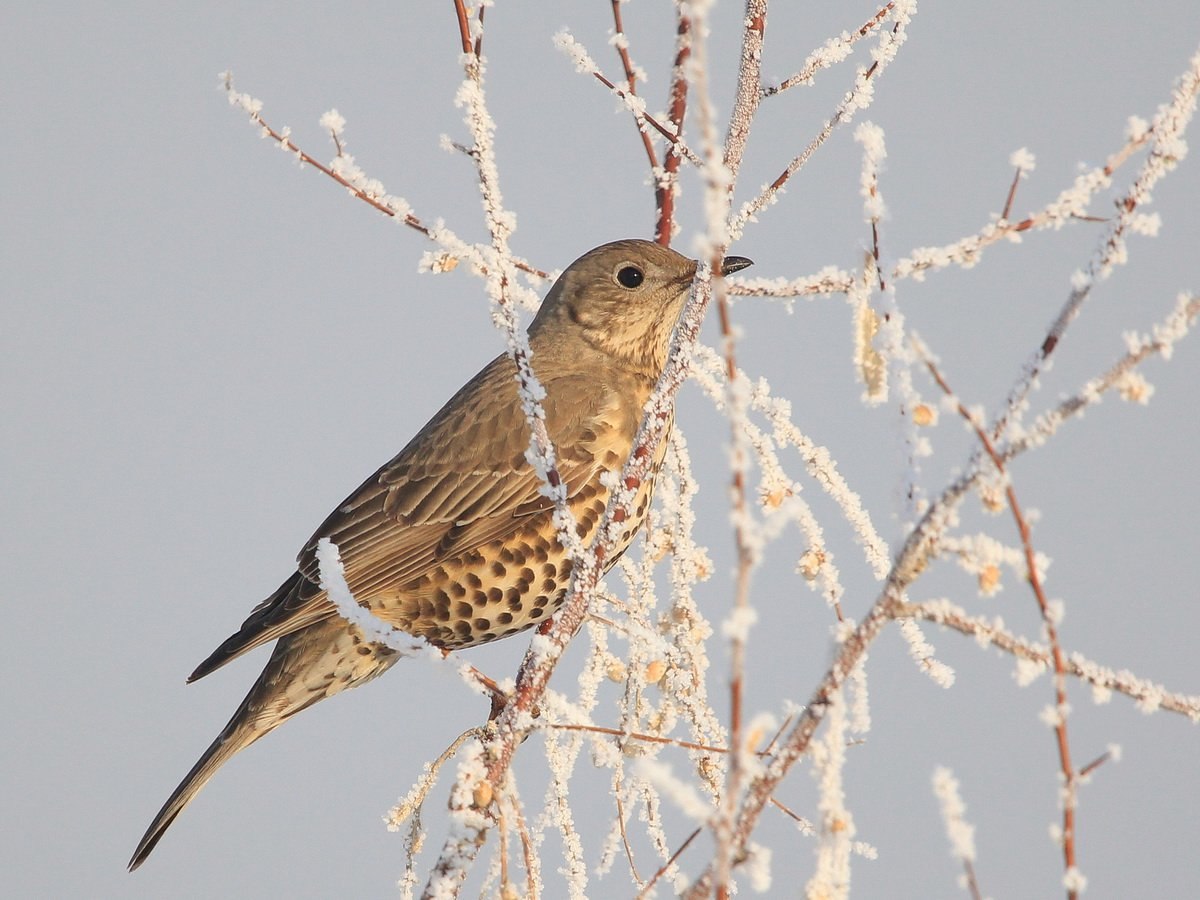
x=732, y=264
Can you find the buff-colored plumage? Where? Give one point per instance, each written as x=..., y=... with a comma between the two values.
x=451, y=540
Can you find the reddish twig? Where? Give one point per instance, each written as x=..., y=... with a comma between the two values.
x=527, y=851
x=749, y=84
x=816, y=62
x=972, y=881
x=464, y=26
x=760, y=791
x=841, y=114
x=622, y=45
x=1096, y=763
x=666, y=186
x=666, y=132
x=791, y=814
x=1012, y=193
x=284, y=140
x=1070, y=776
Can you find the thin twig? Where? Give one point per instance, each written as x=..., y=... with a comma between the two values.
x=1096, y=763
x=667, y=186
x=1148, y=695
x=625, y=840
x=622, y=45
x=674, y=139
x=855, y=99
x=380, y=203
x=667, y=865
x=1070, y=776
x=634, y=735
x=834, y=50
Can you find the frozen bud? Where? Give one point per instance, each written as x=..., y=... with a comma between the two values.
x=481, y=796
x=1134, y=388
x=810, y=564
x=924, y=414
x=774, y=499
x=992, y=498
x=660, y=547
x=655, y=671
x=989, y=579
x=438, y=262
x=616, y=671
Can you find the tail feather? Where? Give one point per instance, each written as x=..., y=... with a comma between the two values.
x=306, y=666
x=296, y=604
x=238, y=734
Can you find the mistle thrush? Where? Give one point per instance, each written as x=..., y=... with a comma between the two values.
x=452, y=540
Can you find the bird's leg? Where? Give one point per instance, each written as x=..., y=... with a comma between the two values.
x=498, y=696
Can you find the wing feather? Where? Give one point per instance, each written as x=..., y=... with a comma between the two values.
x=460, y=483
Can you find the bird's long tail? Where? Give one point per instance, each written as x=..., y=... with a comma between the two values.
x=306, y=666
x=238, y=734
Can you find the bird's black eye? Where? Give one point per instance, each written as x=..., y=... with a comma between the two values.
x=630, y=276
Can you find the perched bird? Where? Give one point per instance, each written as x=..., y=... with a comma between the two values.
x=451, y=540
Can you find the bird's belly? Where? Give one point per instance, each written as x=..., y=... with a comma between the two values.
x=510, y=583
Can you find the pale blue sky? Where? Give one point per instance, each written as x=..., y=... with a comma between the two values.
x=205, y=348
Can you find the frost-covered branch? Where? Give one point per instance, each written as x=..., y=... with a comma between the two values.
x=832, y=52
x=584, y=64
x=346, y=172
x=1050, y=618
x=654, y=656
x=1167, y=149
x=859, y=97
x=1033, y=659
x=959, y=831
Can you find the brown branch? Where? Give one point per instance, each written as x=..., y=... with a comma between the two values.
x=1096, y=763
x=805, y=75
x=675, y=139
x=752, y=207
x=634, y=735
x=666, y=188
x=1070, y=776
x=464, y=27
x=926, y=259
x=1076, y=666
x=749, y=84
x=407, y=218
x=526, y=849
x=1012, y=193
x=625, y=840
x=502, y=831
x=910, y=561
x=799, y=819
x=631, y=79
x=972, y=881
x=1049, y=422
x=667, y=865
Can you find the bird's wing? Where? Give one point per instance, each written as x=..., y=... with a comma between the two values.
x=459, y=483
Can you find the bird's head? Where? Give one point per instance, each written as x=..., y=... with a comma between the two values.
x=622, y=299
